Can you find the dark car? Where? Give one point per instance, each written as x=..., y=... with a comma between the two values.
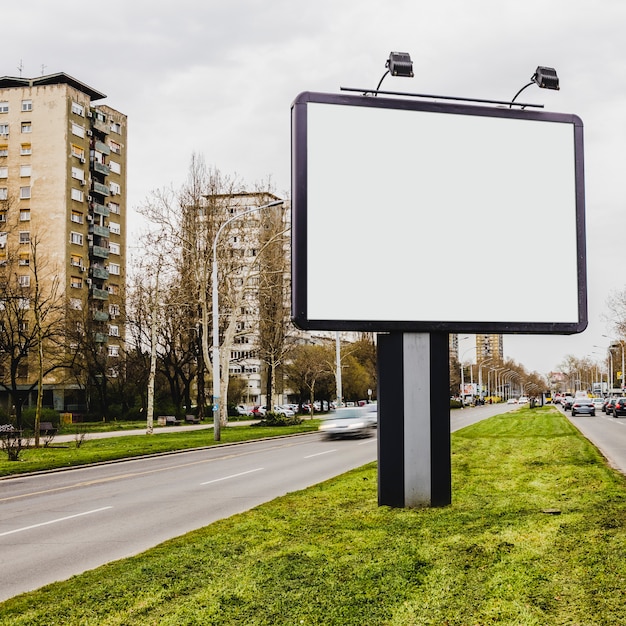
x=608, y=407
x=583, y=406
x=567, y=402
x=619, y=407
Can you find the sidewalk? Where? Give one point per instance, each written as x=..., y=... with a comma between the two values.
x=142, y=431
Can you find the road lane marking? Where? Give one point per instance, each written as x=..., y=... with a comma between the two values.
x=310, y=456
x=217, y=480
x=54, y=521
x=99, y=481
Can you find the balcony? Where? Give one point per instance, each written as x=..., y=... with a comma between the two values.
x=103, y=190
x=101, y=168
x=101, y=127
x=99, y=294
x=100, y=209
x=99, y=273
x=102, y=147
x=99, y=252
x=100, y=338
x=101, y=231
x=100, y=316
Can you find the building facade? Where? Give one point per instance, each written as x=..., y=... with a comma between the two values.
x=63, y=194
x=489, y=346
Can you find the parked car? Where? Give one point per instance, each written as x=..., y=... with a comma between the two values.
x=583, y=406
x=523, y=400
x=257, y=411
x=619, y=407
x=349, y=422
x=283, y=410
x=512, y=401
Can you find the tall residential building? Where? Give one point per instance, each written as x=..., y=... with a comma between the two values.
x=63, y=186
x=489, y=346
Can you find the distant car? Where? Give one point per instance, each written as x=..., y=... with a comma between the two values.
x=512, y=401
x=598, y=403
x=583, y=406
x=608, y=407
x=523, y=400
x=283, y=410
x=242, y=410
x=257, y=411
x=567, y=402
x=349, y=422
x=619, y=407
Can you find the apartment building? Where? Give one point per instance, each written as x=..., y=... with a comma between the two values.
x=489, y=346
x=63, y=187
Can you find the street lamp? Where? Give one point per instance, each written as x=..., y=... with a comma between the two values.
x=544, y=78
x=216, y=327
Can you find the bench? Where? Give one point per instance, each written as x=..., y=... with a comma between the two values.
x=192, y=419
x=46, y=428
x=170, y=420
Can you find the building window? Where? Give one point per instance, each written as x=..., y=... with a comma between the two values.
x=114, y=351
x=76, y=304
x=114, y=290
x=76, y=238
x=24, y=280
x=114, y=310
x=76, y=282
x=4, y=150
x=77, y=151
x=115, y=189
x=23, y=304
x=116, y=127
x=114, y=331
x=114, y=248
x=26, y=149
x=114, y=207
x=116, y=168
x=27, y=127
x=114, y=268
x=4, y=193
x=24, y=215
x=4, y=172
x=4, y=107
x=76, y=260
x=25, y=193
x=27, y=105
x=25, y=171
x=114, y=228
x=4, y=129
x=24, y=258
x=77, y=130
x=78, y=174
x=24, y=236
x=77, y=195
x=115, y=147
x=78, y=109
x=77, y=217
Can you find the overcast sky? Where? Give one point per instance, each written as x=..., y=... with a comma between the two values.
x=218, y=78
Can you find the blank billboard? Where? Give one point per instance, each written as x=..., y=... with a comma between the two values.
x=421, y=216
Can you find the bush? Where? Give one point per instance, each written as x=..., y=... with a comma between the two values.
x=47, y=415
x=276, y=419
x=455, y=404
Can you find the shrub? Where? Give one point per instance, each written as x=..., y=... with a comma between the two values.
x=276, y=419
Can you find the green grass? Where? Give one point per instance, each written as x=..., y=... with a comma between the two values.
x=330, y=556
x=58, y=455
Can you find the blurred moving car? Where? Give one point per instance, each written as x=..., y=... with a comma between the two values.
x=619, y=407
x=349, y=422
x=583, y=406
x=567, y=402
x=608, y=406
x=523, y=400
x=598, y=403
x=512, y=401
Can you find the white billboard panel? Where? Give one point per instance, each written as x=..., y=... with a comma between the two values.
x=425, y=216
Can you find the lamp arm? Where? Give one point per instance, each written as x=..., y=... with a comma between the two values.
x=532, y=82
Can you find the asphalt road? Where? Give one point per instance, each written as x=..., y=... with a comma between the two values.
x=55, y=525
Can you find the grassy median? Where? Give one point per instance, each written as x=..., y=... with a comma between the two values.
x=77, y=452
x=536, y=534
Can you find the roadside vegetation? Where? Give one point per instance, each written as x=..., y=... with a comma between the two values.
x=536, y=535
x=82, y=450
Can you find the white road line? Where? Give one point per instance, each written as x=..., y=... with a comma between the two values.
x=54, y=521
x=217, y=480
x=310, y=456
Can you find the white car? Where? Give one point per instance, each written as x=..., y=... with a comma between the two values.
x=283, y=410
x=523, y=400
x=349, y=422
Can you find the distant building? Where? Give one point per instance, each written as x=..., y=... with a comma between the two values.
x=63, y=181
x=489, y=346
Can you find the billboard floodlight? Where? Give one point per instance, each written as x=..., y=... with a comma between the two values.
x=544, y=77
x=398, y=64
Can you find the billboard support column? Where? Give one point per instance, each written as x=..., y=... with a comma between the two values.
x=414, y=420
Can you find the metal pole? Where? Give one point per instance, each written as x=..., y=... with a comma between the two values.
x=216, y=325
x=338, y=367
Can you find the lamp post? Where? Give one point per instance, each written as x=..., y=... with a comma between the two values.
x=216, y=326
x=544, y=78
